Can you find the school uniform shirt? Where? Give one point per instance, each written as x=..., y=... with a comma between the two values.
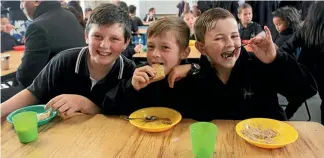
x=68, y=73
x=283, y=36
x=137, y=21
x=312, y=57
x=251, y=90
x=250, y=31
x=53, y=30
x=156, y=94
x=7, y=42
x=148, y=18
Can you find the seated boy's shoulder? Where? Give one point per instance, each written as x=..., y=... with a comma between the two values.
x=68, y=56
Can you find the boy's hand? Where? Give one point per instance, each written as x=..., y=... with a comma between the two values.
x=142, y=77
x=177, y=73
x=263, y=47
x=67, y=104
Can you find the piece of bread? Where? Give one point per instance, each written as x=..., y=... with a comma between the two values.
x=160, y=75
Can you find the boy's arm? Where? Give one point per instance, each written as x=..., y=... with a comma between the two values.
x=22, y=99
x=293, y=80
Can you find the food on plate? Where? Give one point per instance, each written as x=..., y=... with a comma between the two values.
x=257, y=133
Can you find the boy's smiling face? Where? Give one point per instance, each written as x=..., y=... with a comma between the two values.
x=105, y=43
x=164, y=49
x=221, y=39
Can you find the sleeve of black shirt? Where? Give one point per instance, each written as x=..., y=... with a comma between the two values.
x=291, y=45
x=140, y=22
x=258, y=29
x=44, y=84
x=292, y=79
x=35, y=57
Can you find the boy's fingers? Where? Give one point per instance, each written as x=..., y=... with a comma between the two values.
x=63, y=108
x=139, y=79
x=53, y=101
x=268, y=33
x=144, y=75
x=171, y=79
x=149, y=70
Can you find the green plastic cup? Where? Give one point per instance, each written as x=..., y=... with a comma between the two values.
x=26, y=127
x=203, y=139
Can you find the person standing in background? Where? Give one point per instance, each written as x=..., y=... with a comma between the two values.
x=310, y=39
x=132, y=14
x=183, y=6
x=46, y=36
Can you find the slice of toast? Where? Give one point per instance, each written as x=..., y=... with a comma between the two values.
x=160, y=75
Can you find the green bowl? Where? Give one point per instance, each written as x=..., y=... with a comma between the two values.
x=36, y=108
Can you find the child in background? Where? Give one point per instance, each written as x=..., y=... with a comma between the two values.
x=7, y=41
x=81, y=79
x=247, y=28
x=287, y=22
x=189, y=18
x=87, y=13
x=150, y=16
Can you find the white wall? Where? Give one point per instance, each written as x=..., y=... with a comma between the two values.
x=161, y=7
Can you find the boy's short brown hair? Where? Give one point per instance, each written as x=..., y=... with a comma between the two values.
x=207, y=21
x=178, y=26
x=243, y=6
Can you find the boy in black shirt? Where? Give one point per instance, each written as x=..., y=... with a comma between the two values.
x=247, y=28
x=234, y=84
x=80, y=79
x=167, y=45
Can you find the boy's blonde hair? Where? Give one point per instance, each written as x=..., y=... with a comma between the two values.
x=243, y=6
x=208, y=20
x=179, y=28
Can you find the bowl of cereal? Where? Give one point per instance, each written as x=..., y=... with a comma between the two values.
x=266, y=133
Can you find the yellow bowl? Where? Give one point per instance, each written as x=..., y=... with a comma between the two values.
x=192, y=42
x=286, y=134
x=155, y=126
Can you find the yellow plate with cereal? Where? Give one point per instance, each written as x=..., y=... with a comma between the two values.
x=266, y=133
x=166, y=118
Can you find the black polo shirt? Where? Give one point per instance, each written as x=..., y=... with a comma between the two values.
x=252, y=30
x=68, y=73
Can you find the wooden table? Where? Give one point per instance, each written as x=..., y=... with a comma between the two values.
x=101, y=136
x=194, y=54
x=14, y=61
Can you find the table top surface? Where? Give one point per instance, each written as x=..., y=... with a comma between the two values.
x=109, y=136
x=14, y=61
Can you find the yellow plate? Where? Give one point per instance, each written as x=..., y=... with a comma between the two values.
x=155, y=126
x=192, y=42
x=286, y=134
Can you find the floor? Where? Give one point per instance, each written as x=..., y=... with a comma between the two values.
x=301, y=114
